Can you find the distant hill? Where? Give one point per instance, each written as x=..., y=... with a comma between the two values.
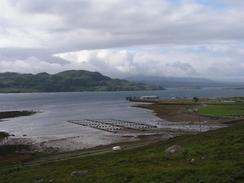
x=67, y=81
x=182, y=82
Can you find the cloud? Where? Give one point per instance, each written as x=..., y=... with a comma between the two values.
x=209, y=61
x=68, y=25
x=199, y=38
x=29, y=65
x=221, y=62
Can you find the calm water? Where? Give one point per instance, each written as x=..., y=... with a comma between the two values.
x=56, y=108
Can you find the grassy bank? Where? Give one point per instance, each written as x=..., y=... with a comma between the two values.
x=12, y=154
x=218, y=157
x=219, y=110
x=3, y=135
x=227, y=110
x=13, y=114
x=177, y=112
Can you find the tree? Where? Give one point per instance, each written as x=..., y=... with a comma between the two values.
x=195, y=99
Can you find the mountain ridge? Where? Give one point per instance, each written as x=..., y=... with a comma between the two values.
x=190, y=82
x=67, y=81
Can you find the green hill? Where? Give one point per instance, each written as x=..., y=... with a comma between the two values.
x=67, y=81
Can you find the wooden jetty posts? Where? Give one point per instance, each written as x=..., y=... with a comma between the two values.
x=143, y=98
x=113, y=125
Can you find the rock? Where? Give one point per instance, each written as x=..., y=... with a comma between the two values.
x=116, y=148
x=40, y=180
x=192, y=160
x=79, y=173
x=203, y=157
x=173, y=151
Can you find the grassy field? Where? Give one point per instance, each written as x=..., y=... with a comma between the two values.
x=218, y=157
x=220, y=110
x=224, y=110
x=177, y=112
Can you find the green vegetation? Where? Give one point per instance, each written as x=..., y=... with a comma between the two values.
x=222, y=110
x=67, y=81
x=3, y=135
x=210, y=110
x=195, y=99
x=13, y=114
x=13, y=154
x=217, y=155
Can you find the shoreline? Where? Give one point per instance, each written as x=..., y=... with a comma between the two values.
x=69, y=144
x=184, y=109
x=13, y=114
x=71, y=147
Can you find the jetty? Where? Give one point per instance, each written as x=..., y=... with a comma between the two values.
x=113, y=125
x=143, y=98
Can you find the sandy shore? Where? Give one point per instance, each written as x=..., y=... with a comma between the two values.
x=66, y=144
x=78, y=143
x=164, y=130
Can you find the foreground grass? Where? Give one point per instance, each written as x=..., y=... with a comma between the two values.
x=218, y=157
x=224, y=110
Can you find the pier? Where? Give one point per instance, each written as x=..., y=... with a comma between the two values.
x=113, y=125
x=143, y=99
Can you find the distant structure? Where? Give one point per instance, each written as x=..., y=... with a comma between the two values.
x=149, y=97
x=143, y=98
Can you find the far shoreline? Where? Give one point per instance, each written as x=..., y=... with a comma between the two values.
x=14, y=114
x=87, y=91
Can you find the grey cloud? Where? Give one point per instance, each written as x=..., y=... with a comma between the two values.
x=14, y=54
x=94, y=24
x=50, y=7
x=211, y=63
x=183, y=67
x=44, y=28
x=174, y=61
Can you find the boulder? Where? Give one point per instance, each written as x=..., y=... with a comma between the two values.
x=79, y=173
x=39, y=180
x=173, y=151
x=116, y=148
x=191, y=161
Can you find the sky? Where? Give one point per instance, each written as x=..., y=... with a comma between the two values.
x=123, y=38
